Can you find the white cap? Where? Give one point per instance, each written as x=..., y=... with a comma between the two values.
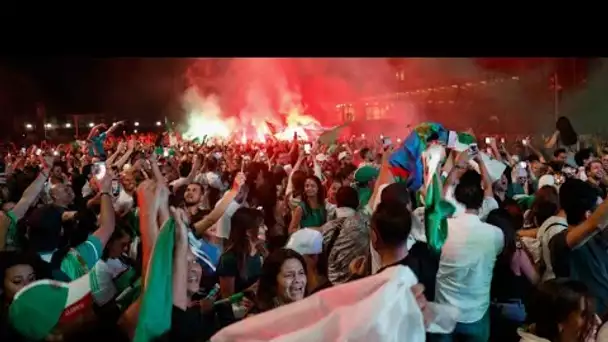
x=546, y=180
x=342, y=155
x=306, y=241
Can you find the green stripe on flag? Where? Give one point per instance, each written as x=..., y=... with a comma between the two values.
x=466, y=138
x=157, y=299
x=436, y=212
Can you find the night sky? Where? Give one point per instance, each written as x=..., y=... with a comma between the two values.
x=116, y=86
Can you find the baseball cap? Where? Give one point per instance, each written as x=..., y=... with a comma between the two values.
x=41, y=305
x=366, y=173
x=306, y=241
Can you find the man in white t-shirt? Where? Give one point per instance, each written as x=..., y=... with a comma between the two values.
x=467, y=262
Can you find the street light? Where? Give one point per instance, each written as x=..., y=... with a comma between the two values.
x=28, y=126
x=68, y=125
x=91, y=124
x=49, y=125
x=136, y=124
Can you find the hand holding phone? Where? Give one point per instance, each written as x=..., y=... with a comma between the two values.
x=307, y=148
x=473, y=150
x=99, y=170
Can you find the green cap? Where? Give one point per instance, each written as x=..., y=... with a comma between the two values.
x=366, y=173
x=40, y=306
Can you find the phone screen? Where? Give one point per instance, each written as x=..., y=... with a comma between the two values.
x=474, y=149
x=99, y=170
x=386, y=141
x=307, y=148
x=38, y=152
x=115, y=188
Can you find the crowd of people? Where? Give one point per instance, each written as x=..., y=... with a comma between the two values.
x=150, y=237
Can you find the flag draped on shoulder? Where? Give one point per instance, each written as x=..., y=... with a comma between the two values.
x=157, y=299
x=377, y=308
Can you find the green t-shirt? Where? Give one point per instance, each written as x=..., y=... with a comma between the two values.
x=228, y=267
x=312, y=217
x=81, y=259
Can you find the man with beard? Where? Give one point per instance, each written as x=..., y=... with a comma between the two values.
x=192, y=200
x=596, y=176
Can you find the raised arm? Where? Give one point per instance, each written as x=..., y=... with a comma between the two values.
x=31, y=193
x=180, y=260
x=106, y=216
x=201, y=226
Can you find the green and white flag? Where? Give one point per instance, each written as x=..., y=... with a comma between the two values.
x=436, y=209
x=157, y=300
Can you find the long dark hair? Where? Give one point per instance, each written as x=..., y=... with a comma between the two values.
x=554, y=301
x=243, y=220
x=545, y=205
x=266, y=195
x=567, y=135
x=320, y=192
x=267, y=289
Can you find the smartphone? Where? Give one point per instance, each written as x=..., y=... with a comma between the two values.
x=115, y=187
x=473, y=149
x=524, y=142
x=502, y=140
x=307, y=148
x=488, y=140
x=523, y=164
x=38, y=152
x=55, y=153
x=165, y=152
x=23, y=151
x=386, y=142
x=99, y=170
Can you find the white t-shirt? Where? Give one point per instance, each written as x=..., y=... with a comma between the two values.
x=466, y=266
x=123, y=203
x=105, y=272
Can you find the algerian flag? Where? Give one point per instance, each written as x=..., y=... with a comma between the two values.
x=157, y=299
x=437, y=210
x=376, y=308
x=460, y=141
x=330, y=136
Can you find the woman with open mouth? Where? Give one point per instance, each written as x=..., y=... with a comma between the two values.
x=283, y=280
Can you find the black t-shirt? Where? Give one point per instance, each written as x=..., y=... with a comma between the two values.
x=424, y=264
x=587, y=263
x=600, y=189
